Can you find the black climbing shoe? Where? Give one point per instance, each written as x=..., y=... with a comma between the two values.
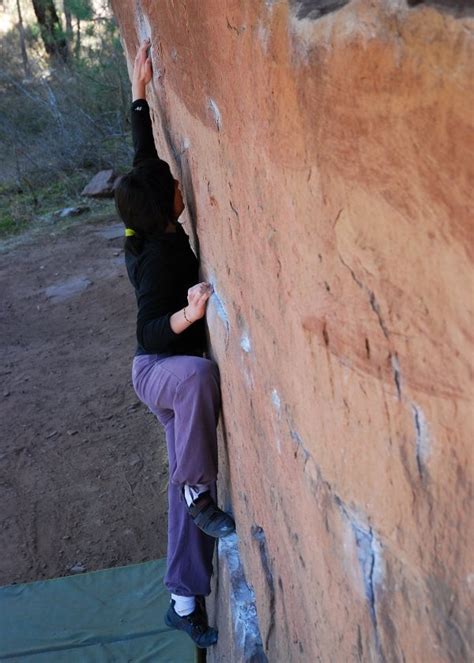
x=195, y=625
x=201, y=607
x=209, y=518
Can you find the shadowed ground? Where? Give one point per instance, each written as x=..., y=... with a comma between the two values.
x=83, y=464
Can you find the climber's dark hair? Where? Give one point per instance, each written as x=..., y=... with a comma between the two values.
x=144, y=199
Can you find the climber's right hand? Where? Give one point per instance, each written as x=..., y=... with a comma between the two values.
x=198, y=297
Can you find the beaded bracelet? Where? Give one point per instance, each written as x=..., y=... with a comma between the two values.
x=184, y=313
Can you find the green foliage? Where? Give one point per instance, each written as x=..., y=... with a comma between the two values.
x=24, y=208
x=57, y=33
x=14, y=212
x=80, y=9
x=64, y=122
x=32, y=34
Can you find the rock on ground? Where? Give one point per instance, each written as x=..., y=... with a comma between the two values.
x=101, y=185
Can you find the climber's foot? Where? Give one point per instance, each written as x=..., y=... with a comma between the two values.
x=209, y=518
x=195, y=625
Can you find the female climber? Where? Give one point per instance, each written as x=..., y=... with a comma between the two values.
x=169, y=373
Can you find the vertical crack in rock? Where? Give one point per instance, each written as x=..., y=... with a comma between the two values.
x=422, y=447
x=298, y=440
x=360, y=648
x=396, y=374
x=374, y=305
x=376, y=309
x=367, y=554
x=367, y=348
x=325, y=335
x=171, y=143
x=337, y=217
x=179, y=154
x=242, y=598
x=232, y=207
x=314, y=9
x=259, y=535
x=352, y=273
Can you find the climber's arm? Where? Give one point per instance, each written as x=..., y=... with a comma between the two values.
x=142, y=134
x=142, y=71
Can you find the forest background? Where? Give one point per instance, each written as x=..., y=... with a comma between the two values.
x=64, y=100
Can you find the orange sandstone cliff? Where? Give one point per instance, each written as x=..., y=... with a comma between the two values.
x=325, y=151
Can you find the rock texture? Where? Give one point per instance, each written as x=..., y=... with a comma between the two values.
x=325, y=150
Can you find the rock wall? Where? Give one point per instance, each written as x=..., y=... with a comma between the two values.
x=325, y=149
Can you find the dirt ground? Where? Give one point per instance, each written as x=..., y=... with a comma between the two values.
x=83, y=463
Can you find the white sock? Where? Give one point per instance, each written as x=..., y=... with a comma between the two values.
x=191, y=493
x=183, y=605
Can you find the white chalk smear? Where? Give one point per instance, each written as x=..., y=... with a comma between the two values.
x=245, y=343
x=276, y=400
x=213, y=107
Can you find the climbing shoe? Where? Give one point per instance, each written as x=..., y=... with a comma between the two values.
x=209, y=518
x=201, y=607
x=195, y=625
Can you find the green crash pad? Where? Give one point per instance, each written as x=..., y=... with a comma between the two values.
x=111, y=616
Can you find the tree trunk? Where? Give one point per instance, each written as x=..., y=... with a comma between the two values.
x=68, y=18
x=21, y=29
x=78, y=39
x=53, y=38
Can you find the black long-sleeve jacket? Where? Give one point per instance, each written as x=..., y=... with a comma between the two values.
x=164, y=270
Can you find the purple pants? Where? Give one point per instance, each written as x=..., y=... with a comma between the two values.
x=183, y=392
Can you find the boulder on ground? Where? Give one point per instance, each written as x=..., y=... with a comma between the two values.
x=101, y=185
